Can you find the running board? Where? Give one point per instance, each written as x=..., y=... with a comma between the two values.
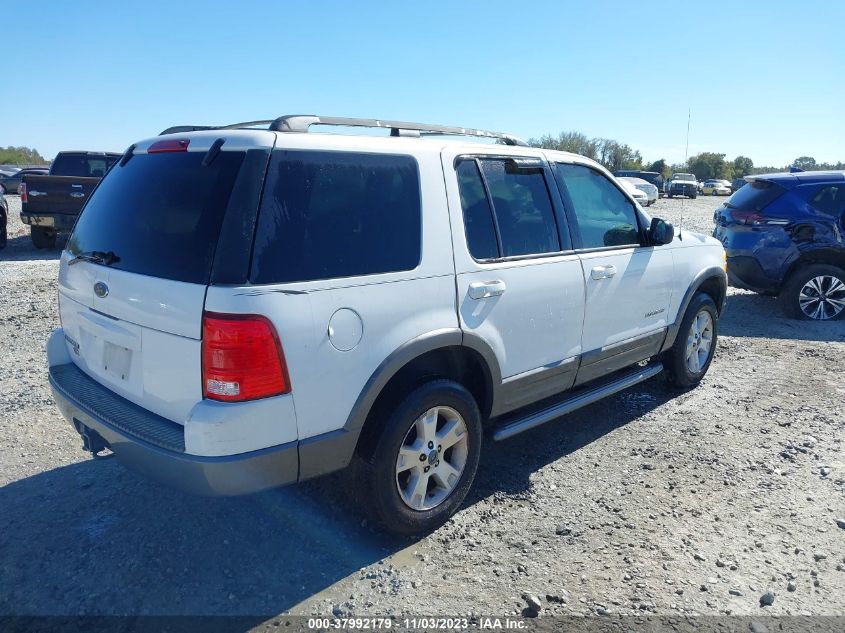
x=576, y=402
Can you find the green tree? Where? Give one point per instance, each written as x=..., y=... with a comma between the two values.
x=661, y=167
x=742, y=166
x=21, y=156
x=615, y=155
x=710, y=165
x=574, y=142
x=805, y=162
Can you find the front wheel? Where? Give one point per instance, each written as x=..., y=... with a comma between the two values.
x=424, y=461
x=690, y=356
x=815, y=293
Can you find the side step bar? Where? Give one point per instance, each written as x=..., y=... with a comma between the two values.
x=576, y=402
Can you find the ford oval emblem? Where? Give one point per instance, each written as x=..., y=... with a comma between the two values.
x=101, y=289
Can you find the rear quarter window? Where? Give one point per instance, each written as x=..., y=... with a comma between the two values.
x=327, y=215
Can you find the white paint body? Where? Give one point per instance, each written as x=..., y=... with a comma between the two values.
x=143, y=340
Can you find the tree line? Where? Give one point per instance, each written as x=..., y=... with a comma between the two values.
x=21, y=156
x=615, y=156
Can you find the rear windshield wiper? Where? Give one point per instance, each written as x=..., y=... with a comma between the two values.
x=97, y=257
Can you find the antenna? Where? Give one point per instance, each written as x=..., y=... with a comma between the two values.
x=686, y=158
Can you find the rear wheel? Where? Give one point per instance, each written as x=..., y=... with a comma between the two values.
x=3, y=234
x=690, y=356
x=424, y=461
x=43, y=238
x=815, y=293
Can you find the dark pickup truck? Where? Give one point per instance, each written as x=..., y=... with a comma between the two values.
x=51, y=203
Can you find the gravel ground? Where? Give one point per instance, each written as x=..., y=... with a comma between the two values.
x=650, y=502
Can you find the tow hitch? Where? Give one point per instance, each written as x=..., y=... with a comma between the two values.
x=92, y=441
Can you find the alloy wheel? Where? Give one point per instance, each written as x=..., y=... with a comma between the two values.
x=432, y=458
x=822, y=297
x=699, y=341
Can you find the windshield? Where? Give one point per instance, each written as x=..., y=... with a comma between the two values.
x=683, y=177
x=160, y=214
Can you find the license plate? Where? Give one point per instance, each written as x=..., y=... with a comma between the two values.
x=116, y=360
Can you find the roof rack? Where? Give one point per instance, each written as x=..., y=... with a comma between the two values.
x=302, y=122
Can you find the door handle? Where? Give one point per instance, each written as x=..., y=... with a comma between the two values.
x=485, y=289
x=603, y=272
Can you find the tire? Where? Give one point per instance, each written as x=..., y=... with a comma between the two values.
x=43, y=238
x=379, y=484
x=715, y=193
x=669, y=195
x=693, y=197
x=805, y=282
x=3, y=231
x=678, y=361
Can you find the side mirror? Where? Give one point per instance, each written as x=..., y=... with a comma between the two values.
x=660, y=232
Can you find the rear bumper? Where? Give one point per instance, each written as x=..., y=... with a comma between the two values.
x=59, y=221
x=746, y=273
x=150, y=444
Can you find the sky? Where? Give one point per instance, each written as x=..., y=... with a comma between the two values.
x=763, y=79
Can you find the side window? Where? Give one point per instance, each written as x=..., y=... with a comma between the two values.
x=326, y=215
x=522, y=221
x=829, y=199
x=478, y=216
x=604, y=215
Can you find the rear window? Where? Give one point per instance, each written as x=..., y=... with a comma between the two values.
x=326, y=215
x=82, y=165
x=755, y=196
x=160, y=214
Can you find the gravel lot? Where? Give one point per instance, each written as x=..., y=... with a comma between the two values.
x=650, y=502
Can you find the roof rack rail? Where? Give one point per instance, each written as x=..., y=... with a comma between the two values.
x=177, y=129
x=302, y=122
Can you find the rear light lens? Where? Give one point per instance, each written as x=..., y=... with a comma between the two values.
x=169, y=145
x=22, y=192
x=242, y=358
x=753, y=218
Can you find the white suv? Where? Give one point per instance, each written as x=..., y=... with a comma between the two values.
x=245, y=308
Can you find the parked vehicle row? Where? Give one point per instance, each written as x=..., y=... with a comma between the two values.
x=228, y=341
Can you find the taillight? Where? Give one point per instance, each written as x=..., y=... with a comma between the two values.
x=169, y=145
x=753, y=218
x=22, y=192
x=242, y=358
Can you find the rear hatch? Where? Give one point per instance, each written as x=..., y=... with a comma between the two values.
x=747, y=205
x=158, y=229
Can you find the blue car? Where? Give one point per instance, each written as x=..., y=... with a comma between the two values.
x=784, y=235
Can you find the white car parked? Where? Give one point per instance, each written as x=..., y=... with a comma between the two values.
x=246, y=308
x=643, y=186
